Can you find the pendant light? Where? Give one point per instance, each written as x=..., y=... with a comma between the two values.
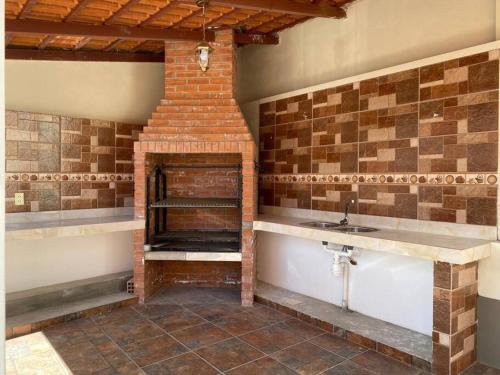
x=203, y=50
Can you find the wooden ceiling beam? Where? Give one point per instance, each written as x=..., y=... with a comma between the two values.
x=26, y=8
x=32, y=27
x=270, y=22
x=76, y=10
x=193, y=14
x=313, y=9
x=46, y=41
x=111, y=46
x=150, y=19
x=125, y=8
x=160, y=13
x=81, y=43
x=214, y=21
x=8, y=38
x=249, y=38
x=139, y=46
x=72, y=14
x=281, y=28
x=247, y=19
x=62, y=55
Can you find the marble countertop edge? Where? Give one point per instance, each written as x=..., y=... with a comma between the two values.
x=71, y=227
x=413, y=244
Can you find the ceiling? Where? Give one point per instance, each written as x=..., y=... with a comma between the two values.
x=136, y=29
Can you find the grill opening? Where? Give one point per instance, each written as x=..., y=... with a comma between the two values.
x=194, y=204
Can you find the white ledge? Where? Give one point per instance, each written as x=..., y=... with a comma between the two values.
x=435, y=247
x=37, y=230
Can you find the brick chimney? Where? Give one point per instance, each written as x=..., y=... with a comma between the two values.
x=199, y=115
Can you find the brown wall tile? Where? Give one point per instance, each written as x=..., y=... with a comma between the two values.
x=440, y=119
x=45, y=146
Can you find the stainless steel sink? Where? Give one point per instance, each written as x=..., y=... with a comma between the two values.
x=354, y=229
x=320, y=224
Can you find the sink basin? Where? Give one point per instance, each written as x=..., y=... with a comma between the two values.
x=320, y=224
x=355, y=229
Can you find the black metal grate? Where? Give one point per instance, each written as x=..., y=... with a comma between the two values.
x=197, y=203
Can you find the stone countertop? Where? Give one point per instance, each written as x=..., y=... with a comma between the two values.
x=435, y=247
x=36, y=230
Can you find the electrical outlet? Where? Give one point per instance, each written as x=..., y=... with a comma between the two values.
x=19, y=199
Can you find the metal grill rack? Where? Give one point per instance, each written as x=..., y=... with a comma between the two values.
x=194, y=240
x=197, y=203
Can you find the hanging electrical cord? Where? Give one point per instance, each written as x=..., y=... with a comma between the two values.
x=203, y=50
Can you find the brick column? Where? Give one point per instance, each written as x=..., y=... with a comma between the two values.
x=454, y=317
x=250, y=188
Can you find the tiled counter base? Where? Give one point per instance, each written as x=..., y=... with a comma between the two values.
x=455, y=317
x=409, y=347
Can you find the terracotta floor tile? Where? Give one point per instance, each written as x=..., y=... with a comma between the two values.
x=128, y=332
x=338, y=345
x=124, y=314
x=89, y=355
x=272, y=339
x=214, y=311
x=201, y=335
x=480, y=369
x=67, y=334
x=306, y=358
x=155, y=311
x=302, y=329
x=186, y=364
x=178, y=319
x=130, y=369
x=269, y=316
x=263, y=366
x=119, y=362
x=382, y=365
x=83, y=357
x=230, y=353
x=154, y=350
x=227, y=295
x=348, y=368
x=124, y=341
x=185, y=296
x=241, y=323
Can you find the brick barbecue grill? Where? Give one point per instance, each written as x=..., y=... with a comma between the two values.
x=195, y=177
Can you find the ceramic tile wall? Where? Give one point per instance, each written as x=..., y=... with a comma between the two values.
x=455, y=317
x=61, y=162
x=418, y=144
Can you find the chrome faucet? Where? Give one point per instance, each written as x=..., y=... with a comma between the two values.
x=345, y=220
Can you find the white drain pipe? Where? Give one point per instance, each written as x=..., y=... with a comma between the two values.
x=341, y=260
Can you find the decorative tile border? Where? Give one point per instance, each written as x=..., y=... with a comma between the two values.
x=44, y=177
x=407, y=179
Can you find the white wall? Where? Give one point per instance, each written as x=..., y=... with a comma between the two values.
x=393, y=288
x=489, y=275
x=32, y=264
x=375, y=34
x=125, y=92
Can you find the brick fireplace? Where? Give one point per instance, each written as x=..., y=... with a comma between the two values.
x=198, y=119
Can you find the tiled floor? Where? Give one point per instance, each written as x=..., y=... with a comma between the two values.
x=194, y=331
